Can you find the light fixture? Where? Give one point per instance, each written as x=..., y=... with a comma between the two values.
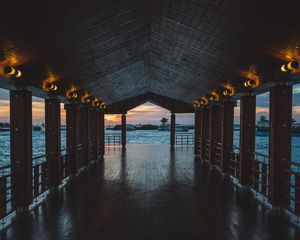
x=86, y=98
x=197, y=104
x=204, y=101
x=214, y=97
x=71, y=93
x=13, y=72
x=50, y=86
x=290, y=66
x=253, y=83
x=96, y=102
x=227, y=92
x=103, y=105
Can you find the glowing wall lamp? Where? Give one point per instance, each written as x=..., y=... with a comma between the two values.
x=229, y=91
x=13, y=72
x=251, y=83
x=103, y=105
x=290, y=67
x=96, y=102
x=214, y=97
x=204, y=101
x=197, y=104
x=86, y=98
x=71, y=93
x=49, y=86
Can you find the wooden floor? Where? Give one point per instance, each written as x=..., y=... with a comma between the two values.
x=149, y=191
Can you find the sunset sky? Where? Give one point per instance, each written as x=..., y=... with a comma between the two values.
x=146, y=113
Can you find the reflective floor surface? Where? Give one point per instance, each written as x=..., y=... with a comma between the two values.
x=149, y=191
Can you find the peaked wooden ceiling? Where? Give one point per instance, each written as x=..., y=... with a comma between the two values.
x=120, y=49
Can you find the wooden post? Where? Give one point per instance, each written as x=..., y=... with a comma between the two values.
x=214, y=131
x=71, y=128
x=101, y=132
x=172, y=129
x=227, y=119
x=82, y=136
x=52, y=120
x=247, y=136
x=197, y=143
x=123, y=129
x=21, y=148
x=205, y=116
x=280, y=144
x=92, y=133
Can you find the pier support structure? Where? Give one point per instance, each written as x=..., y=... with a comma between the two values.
x=172, y=129
x=247, y=136
x=82, y=136
x=227, y=119
x=101, y=133
x=198, y=124
x=92, y=134
x=71, y=134
x=21, y=147
x=205, y=116
x=53, y=144
x=214, y=131
x=123, y=129
x=280, y=144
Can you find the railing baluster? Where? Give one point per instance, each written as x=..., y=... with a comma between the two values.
x=3, y=197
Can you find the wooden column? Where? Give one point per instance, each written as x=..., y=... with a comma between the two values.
x=214, y=131
x=53, y=156
x=247, y=136
x=82, y=136
x=172, y=129
x=197, y=144
x=280, y=144
x=71, y=128
x=21, y=147
x=101, y=132
x=123, y=129
x=205, y=116
x=227, y=119
x=92, y=134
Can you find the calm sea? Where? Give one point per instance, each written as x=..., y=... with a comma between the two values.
x=140, y=137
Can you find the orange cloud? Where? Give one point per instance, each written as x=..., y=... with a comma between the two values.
x=112, y=119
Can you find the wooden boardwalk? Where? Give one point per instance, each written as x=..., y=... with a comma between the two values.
x=150, y=191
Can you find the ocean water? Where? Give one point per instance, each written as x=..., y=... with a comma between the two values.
x=139, y=137
x=38, y=145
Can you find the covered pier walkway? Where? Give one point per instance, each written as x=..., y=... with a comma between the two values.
x=149, y=191
x=108, y=57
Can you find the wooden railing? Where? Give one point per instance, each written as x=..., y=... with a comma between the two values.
x=294, y=186
x=39, y=181
x=184, y=138
x=205, y=149
x=234, y=161
x=6, y=184
x=260, y=164
x=113, y=139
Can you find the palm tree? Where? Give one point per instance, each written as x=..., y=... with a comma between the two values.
x=164, y=121
x=263, y=118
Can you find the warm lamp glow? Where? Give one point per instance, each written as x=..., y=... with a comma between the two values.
x=71, y=93
x=96, y=102
x=204, y=101
x=49, y=86
x=197, y=104
x=290, y=67
x=253, y=83
x=13, y=72
x=86, y=98
x=214, y=97
x=103, y=105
